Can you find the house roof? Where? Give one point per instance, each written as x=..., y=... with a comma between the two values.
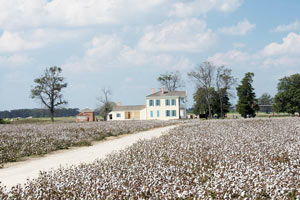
x=168, y=94
x=86, y=110
x=128, y=108
x=82, y=115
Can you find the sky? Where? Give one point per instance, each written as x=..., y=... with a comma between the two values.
x=125, y=45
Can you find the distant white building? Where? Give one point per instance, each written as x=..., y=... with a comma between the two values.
x=162, y=105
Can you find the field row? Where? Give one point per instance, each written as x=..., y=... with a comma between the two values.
x=17, y=141
x=243, y=159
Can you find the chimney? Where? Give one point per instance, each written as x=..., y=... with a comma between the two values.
x=163, y=90
x=119, y=103
x=152, y=90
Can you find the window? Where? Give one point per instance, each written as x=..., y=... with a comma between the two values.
x=173, y=113
x=173, y=102
x=167, y=113
x=167, y=102
x=118, y=115
x=151, y=113
x=151, y=102
x=157, y=102
x=157, y=113
x=182, y=100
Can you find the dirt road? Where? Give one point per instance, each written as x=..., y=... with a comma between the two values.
x=17, y=173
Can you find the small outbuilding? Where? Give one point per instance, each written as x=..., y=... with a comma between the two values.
x=85, y=115
x=128, y=113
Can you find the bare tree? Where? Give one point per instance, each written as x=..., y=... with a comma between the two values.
x=203, y=76
x=171, y=80
x=224, y=83
x=48, y=89
x=106, y=105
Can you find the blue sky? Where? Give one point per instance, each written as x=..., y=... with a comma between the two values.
x=126, y=45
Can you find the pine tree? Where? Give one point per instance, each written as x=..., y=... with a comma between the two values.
x=247, y=103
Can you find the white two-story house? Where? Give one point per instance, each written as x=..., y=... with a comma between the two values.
x=161, y=105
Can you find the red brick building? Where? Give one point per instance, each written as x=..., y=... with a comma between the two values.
x=85, y=115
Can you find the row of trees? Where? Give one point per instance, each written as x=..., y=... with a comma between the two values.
x=214, y=89
x=63, y=112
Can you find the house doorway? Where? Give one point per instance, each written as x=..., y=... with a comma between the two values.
x=127, y=115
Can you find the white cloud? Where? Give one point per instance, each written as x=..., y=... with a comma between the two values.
x=33, y=39
x=290, y=45
x=12, y=42
x=229, y=5
x=238, y=45
x=284, y=60
x=189, y=35
x=286, y=53
x=295, y=26
x=19, y=13
x=14, y=60
x=282, y=54
x=242, y=28
x=229, y=58
x=108, y=51
x=201, y=7
x=16, y=14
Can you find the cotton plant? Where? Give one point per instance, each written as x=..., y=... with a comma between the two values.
x=221, y=159
x=17, y=141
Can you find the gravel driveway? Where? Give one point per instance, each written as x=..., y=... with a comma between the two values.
x=18, y=173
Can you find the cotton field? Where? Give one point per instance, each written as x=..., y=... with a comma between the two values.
x=17, y=141
x=226, y=159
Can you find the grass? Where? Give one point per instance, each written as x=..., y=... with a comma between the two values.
x=236, y=115
x=45, y=120
x=233, y=115
x=42, y=120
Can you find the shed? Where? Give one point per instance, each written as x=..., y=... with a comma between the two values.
x=85, y=115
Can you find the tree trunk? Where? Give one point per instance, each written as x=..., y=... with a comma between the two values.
x=221, y=108
x=209, y=106
x=52, y=115
x=209, y=111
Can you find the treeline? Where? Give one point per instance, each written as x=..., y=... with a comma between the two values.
x=23, y=113
x=215, y=85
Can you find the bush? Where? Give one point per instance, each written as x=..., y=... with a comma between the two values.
x=3, y=121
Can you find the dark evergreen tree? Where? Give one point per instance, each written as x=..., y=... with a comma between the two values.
x=247, y=103
x=219, y=111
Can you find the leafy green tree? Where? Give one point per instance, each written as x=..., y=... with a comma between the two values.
x=106, y=105
x=247, y=103
x=48, y=89
x=203, y=75
x=201, y=107
x=106, y=108
x=171, y=80
x=265, y=99
x=224, y=84
x=288, y=97
x=220, y=108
